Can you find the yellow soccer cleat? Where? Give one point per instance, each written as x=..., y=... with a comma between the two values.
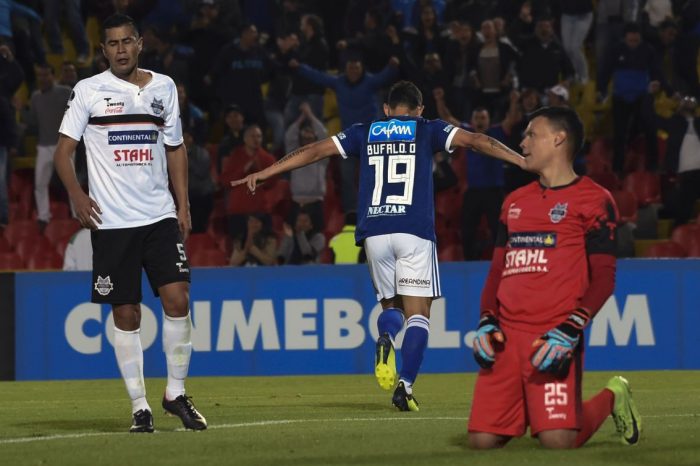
x=628, y=422
x=385, y=362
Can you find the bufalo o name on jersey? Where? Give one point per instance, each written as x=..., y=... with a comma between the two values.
x=392, y=131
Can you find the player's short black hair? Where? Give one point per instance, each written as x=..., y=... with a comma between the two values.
x=405, y=93
x=567, y=120
x=631, y=28
x=117, y=20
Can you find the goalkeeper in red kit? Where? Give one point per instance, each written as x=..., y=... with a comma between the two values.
x=552, y=270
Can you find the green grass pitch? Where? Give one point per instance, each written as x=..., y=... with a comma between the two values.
x=322, y=420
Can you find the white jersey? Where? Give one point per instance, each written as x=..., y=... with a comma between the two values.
x=125, y=128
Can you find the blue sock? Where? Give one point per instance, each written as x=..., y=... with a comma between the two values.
x=390, y=321
x=415, y=340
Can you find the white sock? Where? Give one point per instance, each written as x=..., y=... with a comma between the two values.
x=177, y=345
x=408, y=386
x=127, y=348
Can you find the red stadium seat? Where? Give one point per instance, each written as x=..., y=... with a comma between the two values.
x=645, y=185
x=601, y=148
x=61, y=229
x=608, y=180
x=665, y=249
x=30, y=246
x=688, y=236
x=626, y=205
x=44, y=260
x=449, y=204
x=208, y=258
x=60, y=210
x=4, y=245
x=21, y=229
x=10, y=261
x=451, y=253
x=200, y=242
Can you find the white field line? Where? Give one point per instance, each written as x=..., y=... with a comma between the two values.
x=272, y=423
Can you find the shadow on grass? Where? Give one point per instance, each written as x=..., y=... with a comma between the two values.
x=360, y=406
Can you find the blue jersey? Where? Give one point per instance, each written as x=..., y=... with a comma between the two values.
x=396, y=173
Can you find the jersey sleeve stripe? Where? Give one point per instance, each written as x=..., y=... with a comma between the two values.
x=339, y=146
x=448, y=142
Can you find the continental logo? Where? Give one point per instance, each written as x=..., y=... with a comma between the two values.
x=132, y=137
x=414, y=282
x=392, y=131
x=533, y=239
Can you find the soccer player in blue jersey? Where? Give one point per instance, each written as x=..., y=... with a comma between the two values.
x=396, y=218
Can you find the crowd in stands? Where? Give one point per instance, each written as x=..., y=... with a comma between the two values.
x=259, y=78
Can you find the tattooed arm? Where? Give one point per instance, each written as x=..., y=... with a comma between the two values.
x=298, y=158
x=487, y=145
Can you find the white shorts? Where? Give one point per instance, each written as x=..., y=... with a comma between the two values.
x=402, y=264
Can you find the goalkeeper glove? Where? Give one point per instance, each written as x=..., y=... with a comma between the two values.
x=488, y=331
x=555, y=348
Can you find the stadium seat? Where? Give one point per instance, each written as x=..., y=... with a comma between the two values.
x=688, y=236
x=626, y=205
x=645, y=185
x=10, y=261
x=32, y=245
x=608, y=180
x=208, y=258
x=596, y=164
x=44, y=260
x=449, y=204
x=60, y=229
x=200, y=242
x=21, y=229
x=451, y=253
x=4, y=245
x=59, y=210
x=334, y=224
x=665, y=249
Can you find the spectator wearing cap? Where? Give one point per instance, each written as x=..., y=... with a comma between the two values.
x=238, y=72
x=634, y=69
x=543, y=62
x=558, y=96
x=313, y=51
x=245, y=159
x=353, y=89
x=234, y=124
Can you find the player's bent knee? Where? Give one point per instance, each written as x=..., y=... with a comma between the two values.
x=558, y=439
x=486, y=441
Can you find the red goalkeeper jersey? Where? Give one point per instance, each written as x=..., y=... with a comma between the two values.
x=548, y=235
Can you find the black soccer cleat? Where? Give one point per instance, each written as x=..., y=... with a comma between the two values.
x=402, y=400
x=183, y=408
x=142, y=422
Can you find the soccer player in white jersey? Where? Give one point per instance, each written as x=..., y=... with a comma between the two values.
x=396, y=219
x=130, y=122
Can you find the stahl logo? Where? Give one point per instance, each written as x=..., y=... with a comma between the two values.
x=392, y=131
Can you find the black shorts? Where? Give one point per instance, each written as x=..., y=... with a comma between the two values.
x=119, y=254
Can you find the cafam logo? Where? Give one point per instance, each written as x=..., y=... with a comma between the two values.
x=392, y=130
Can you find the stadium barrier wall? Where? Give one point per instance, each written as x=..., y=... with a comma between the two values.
x=321, y=320
x=7, y=326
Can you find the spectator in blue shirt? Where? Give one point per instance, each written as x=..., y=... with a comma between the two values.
x=485, y=175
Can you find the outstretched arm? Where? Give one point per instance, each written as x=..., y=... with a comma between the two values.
x=487, y=145
x=298, y=158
